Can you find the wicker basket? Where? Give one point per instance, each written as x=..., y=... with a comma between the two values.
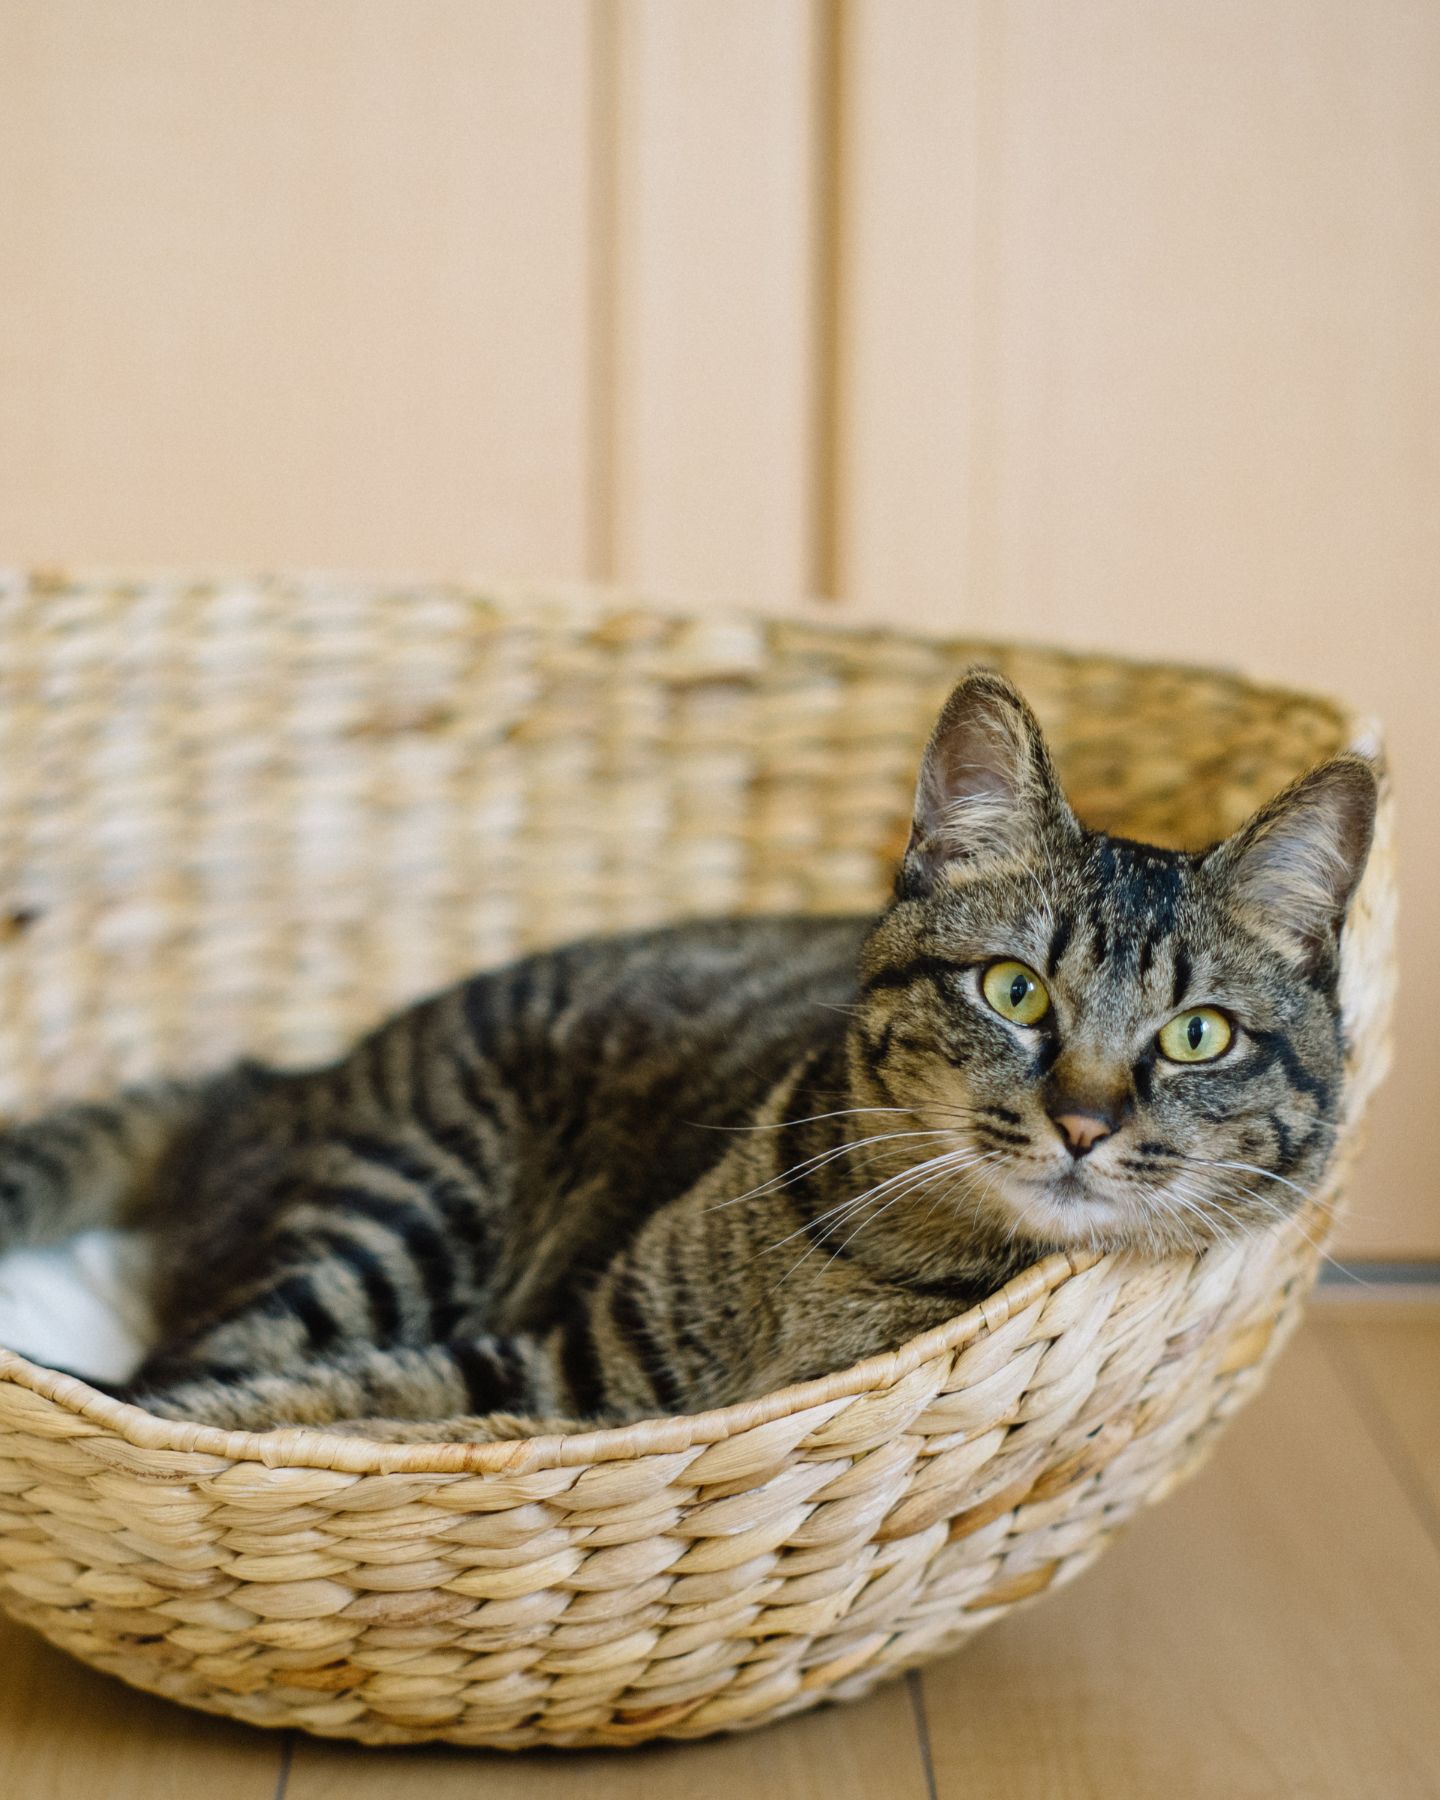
x=256, y=815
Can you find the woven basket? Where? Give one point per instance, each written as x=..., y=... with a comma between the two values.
x=241, y=815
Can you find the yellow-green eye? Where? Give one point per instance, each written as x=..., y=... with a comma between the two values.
x=1017, y=993
x=1199, y=1035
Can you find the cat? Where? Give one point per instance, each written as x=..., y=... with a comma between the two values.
x=662, y=1172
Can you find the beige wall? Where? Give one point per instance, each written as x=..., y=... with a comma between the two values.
x=1115, y=323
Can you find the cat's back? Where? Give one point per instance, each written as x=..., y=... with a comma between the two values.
x=630, y=1063
x=672, y=1002
x=642, y=990
x=629, y=1050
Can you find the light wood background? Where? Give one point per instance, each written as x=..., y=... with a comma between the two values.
x=1117, y=324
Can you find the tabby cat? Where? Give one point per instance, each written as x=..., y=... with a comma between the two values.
x=661, y=1172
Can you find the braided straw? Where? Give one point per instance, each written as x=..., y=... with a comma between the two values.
x=241, y=815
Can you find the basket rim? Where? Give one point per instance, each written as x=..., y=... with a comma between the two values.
x=607, y=599
x=352, y=1454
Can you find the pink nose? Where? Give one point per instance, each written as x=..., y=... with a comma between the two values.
x=1081, y=1130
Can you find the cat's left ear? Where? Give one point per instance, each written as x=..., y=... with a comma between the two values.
x=1292, y=869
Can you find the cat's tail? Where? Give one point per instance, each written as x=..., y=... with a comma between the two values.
x=92, y=1163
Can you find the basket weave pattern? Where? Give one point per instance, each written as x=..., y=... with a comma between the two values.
x=254, y=816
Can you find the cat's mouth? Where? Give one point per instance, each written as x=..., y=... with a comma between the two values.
x=1065, y=1206
x=1071, y=1185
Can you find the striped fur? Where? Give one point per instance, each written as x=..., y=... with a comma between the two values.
x=662, y=1172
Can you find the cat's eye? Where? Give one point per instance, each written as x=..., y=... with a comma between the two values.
x=1199, y=1035
x=1017, y=993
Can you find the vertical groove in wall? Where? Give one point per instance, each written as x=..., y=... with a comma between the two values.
x=981, y=575
x=827, y=573
x=601, y=300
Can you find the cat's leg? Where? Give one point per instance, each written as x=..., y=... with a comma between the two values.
x=340, y=1252
x=352, y=1280
x=315, y=1226
x=462, y=1376
x=88, y=1164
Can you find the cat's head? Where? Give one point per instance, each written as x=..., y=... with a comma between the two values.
x=1124, y=1045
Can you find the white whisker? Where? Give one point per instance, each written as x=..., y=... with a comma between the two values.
x=811, y=1164
x=898, y=1187
x=1205, y=1162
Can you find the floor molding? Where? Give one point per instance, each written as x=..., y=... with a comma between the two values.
x=1361, y=1281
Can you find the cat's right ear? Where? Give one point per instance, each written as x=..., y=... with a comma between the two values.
x=987, y=785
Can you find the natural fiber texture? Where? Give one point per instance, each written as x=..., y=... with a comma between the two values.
x=254, y=816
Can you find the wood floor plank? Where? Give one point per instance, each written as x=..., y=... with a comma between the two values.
x=66, y=1731
x=1397, y=1357
x=1273, y=1628
x=859, y=1752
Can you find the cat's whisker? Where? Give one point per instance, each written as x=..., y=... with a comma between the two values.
x=854, y=1203
x=1279, y=1214
x=893, y=1200
x=1172, y=1198
x=1214, y=1197
x=992, y=1175
x=1208, y=1162
x=841, y=1112
x=1163, y=1204
x=832, y=1218
x=960, y=1165
x=836, y=1217
x=813, y=1164
x=956, y=1187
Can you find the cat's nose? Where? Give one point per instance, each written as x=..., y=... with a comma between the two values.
x=1082, y=1130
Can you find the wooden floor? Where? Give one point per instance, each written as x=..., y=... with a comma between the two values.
x=1272, y=1630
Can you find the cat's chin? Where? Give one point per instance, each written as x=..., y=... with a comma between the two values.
x=1063, y=1209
